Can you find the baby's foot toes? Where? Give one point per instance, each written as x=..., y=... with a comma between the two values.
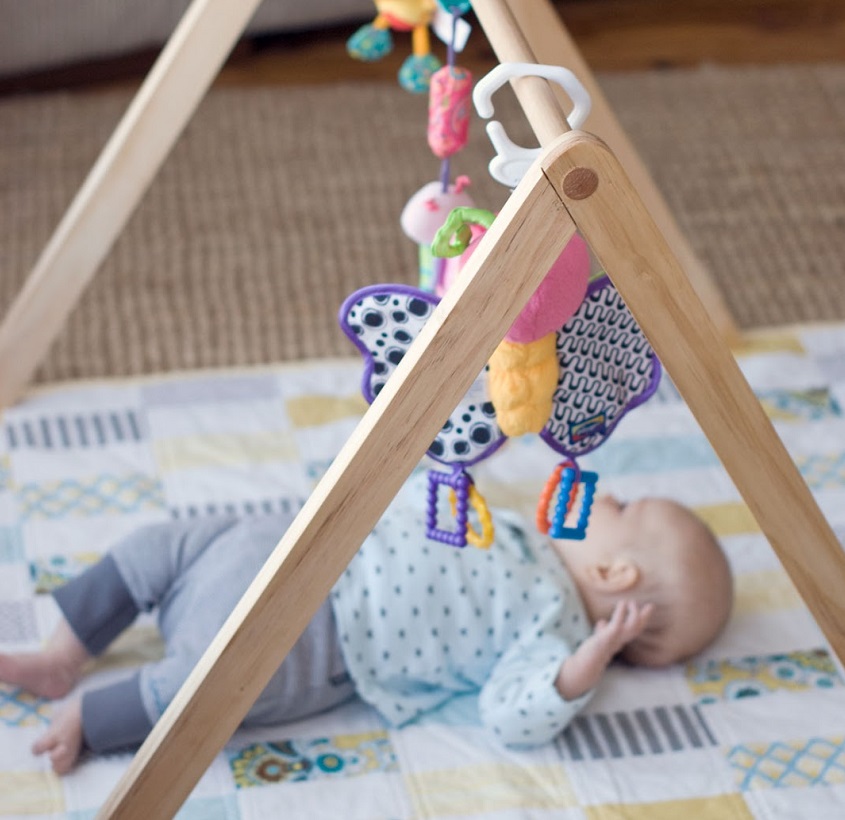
x=44, y=743
x=60, y=755
x=62, y=758
x=62, y=742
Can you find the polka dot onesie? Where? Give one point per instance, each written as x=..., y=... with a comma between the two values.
x=420, y=622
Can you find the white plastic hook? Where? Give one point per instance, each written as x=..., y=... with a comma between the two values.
x=511, y=160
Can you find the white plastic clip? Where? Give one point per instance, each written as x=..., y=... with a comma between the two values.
x=511, y=160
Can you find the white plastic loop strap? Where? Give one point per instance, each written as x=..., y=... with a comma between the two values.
x=511, y=160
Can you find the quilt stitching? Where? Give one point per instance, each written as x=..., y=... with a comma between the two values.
x=21, y=709
x=102, y=495
x=797, y=763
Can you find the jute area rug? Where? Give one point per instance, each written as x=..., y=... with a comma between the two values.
x=277, y=202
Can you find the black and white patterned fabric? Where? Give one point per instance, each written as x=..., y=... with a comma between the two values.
x=607, y=367
x=382, y=321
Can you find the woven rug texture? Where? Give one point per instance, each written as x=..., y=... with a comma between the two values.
x=279, y=201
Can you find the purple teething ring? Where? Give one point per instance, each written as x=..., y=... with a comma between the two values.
x=460, y=482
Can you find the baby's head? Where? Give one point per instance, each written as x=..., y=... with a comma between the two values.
x=653, y=550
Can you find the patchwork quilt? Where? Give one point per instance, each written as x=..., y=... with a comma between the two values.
x=754, y=728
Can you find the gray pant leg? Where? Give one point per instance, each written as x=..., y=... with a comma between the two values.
x=161, y=565
x=152, y=558
x=139, y=571
x=312, y=678
x=114, y=717
x=97, y=605
x=210, y=583
x=104, y=600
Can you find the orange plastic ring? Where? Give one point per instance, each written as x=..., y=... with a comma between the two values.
x=544, y=502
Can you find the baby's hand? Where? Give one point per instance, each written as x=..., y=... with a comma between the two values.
x=583, y=669
x=627, y=622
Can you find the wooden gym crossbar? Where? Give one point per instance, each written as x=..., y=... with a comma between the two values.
x=581, y=183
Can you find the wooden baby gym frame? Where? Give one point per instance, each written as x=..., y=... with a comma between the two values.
x=578, y=184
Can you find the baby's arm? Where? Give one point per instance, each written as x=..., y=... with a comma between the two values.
x=539, y=685
x=580, y=672
x=519, y=701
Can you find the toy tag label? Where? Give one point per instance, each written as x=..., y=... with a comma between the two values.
x=442, y=26
x=579, y=430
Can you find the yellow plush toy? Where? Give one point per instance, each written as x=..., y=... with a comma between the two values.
x=523, y=371
x=521, y=380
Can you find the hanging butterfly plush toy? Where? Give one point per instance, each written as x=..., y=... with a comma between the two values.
x=570, y=367
x=578, y=380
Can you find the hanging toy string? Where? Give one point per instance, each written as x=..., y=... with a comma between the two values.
x=446, y=163
x=450, y=97
x=444, y=101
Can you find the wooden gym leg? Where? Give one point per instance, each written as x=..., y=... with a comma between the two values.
x=532, y=31
x=615, y=222
x=528, y=234
x=511, y=261
x=114, y=187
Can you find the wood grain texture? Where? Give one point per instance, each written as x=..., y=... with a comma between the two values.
x=531, y=31
x=115, y=185
x=649, y=278
x=624, y=35
x=514, y=256
x=512, y=44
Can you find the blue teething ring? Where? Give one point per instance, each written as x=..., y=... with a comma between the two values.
x=558, y=528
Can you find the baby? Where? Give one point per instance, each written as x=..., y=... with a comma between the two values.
x=529, y=625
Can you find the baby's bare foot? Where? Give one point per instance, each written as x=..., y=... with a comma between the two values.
x=51, y=672
x=62, y=742
x=38, y=673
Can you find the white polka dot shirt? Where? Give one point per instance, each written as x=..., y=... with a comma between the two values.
x=420, y=622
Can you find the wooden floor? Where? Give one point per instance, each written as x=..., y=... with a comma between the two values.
x=614, y=35
x=637, y=34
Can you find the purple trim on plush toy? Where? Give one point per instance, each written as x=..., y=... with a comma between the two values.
x=369, y=361
x=595, y=286
x=599, y=283
x=486, y=453
x=363, y=293
x=432, y=300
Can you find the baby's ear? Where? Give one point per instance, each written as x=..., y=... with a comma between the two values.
x=615, y=576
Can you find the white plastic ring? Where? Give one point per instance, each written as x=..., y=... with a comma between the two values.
x=511, y=160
